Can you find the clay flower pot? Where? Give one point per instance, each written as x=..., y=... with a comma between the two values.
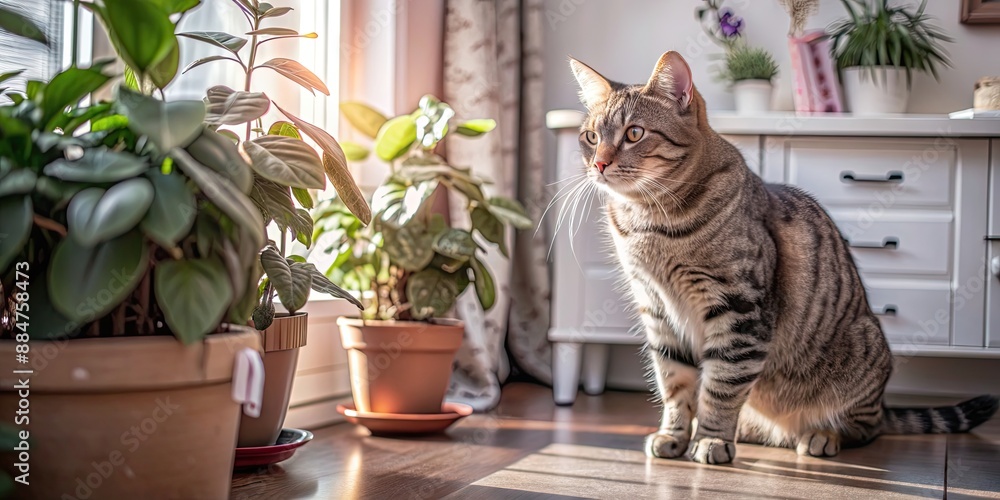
x=281, y=342
x=127, y=417
x=400, y=366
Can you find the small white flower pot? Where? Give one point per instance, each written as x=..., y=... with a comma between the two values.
x=886, y=93
x=752, y=96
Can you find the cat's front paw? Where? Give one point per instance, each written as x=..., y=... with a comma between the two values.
x=819, y=444
x=711, y=450
x=662, y=444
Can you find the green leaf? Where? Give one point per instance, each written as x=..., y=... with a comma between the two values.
x=17, y=24
x=172, y=213
x=474, y=128
x=7, y=76
x=263, y=316
x=58, y=191
x=20, y=181
x=46, y=322
x=219, y=39
x=395, y=137
x=194, y=294
x=68, y=87
x=33, y=89
x=167, y=124
x=15, y=227
x=510, y=211
x=243, y=308
x=335, y=164
x=205, y=60
x=98, y=165
x=486, y=290
x=354, y=151
x=234, y=107
x=276, y=12
x=218, y=153
x=292, y=282
x=96, y=215
x=364, y=118
x=164, y=71
x=284, y=128
x=229, y=134
x=85, y=283
x=322, y=284
x=274, y=31
x=455, y=243
x=303, y=197
x=110, y=122
x=274, y=201
x=287, y=161
x=131, y=81
x=302, y=226
x=490, y=227
x=409, y=246
x=431, y=292
x=225, y=195
x=140, y=31
x=296, y=72
x=177, y=6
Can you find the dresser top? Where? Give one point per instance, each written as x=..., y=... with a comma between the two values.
x=836, y=124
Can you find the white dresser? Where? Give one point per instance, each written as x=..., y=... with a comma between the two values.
x=917, y=197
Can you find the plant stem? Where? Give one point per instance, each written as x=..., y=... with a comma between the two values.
x=250, y=63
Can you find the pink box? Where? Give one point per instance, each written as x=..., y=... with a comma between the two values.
x=816, y=87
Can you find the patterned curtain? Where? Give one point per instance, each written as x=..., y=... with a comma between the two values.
x=493, y=68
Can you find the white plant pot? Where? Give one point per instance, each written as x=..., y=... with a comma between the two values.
x=887, y=93
x=752, y=96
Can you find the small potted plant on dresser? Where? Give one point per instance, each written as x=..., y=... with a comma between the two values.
x=284, y=170
x=750, y=70
x=878, y=48
x=412, y=266
x=120, y=323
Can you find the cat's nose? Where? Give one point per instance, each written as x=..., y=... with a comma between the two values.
x=601, y=165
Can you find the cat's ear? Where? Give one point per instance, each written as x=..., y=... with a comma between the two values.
x=594, y=88
x=672, y=78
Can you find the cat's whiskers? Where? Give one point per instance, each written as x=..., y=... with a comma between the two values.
x=561, y=193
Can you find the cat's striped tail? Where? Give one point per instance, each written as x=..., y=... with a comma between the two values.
x=944, y=419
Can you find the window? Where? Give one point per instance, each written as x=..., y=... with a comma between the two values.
x=38, y=61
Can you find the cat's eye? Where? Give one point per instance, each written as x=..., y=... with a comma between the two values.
x=591, y=137
x=633, y=134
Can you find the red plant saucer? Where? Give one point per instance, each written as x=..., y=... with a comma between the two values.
x=406, y=423
x=288, y=441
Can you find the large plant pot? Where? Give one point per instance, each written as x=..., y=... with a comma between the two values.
x=281, y=342
x=886, y=93
x=400, y=366
x=752, y=96
x=133, y=417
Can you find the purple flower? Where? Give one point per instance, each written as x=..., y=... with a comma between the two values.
x=729, y=24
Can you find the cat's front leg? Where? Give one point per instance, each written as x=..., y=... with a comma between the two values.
x=731, y=362
x=676, y=376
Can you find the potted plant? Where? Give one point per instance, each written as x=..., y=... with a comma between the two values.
x=878, y=47
x=747, y=70
x=750, y=70
x=411, y=262
x=120, y=321
x=284, y=170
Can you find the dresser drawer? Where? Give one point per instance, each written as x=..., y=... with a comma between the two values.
x=879, y=173
x=894, y=246
x=911, y=316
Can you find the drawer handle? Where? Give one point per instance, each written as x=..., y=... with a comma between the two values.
x=891, y=242
x=886, y=310
x=891, y=176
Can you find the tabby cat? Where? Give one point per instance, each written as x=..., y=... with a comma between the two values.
x=756, y=320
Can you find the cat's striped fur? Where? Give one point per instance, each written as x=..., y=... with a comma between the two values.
x=756, y=319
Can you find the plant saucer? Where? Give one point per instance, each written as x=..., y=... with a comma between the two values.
x=288, y=441
x=406, y=423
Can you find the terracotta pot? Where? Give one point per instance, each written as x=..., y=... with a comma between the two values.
x=281, y=342
x=400, y=366
x=132, y=417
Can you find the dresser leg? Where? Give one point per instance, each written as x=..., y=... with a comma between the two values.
x=566, y=357
x=595, y=367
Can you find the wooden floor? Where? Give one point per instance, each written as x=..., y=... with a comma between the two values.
x=528, y=448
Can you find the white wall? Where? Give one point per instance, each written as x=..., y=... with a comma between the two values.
x=623, y=39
